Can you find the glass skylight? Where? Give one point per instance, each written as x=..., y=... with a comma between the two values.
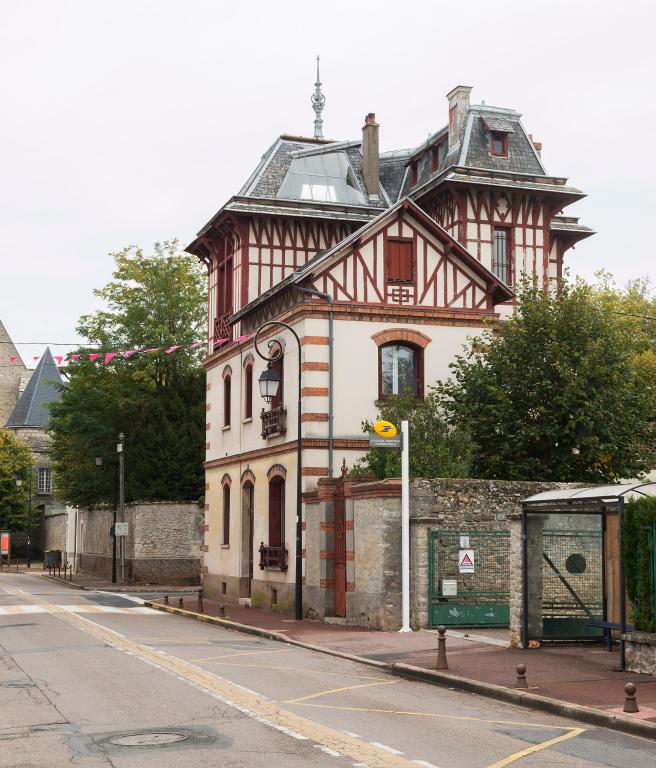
x=326, y=178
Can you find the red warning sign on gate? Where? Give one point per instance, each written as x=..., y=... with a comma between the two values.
x=4, y=543
x=466, y=561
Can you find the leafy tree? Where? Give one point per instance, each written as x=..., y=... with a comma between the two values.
x=15, y=459
x=554, y=392
x=156, y=399
x=436, y=450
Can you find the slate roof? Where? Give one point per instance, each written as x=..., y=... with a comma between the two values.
x=31, y=409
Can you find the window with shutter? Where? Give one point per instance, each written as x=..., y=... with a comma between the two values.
x=400, y=261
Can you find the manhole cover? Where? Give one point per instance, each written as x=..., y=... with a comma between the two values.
x=148, y=739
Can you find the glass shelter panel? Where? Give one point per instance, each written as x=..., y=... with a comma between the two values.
x=564, y=576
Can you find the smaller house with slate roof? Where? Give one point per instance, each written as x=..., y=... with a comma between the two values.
x=29, y=421
x=383, y=264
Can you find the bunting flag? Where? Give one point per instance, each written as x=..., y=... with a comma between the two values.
x=107, y=357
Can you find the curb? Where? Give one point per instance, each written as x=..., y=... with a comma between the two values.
x=520, y=698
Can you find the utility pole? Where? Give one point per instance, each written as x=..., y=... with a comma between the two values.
x=114, y=525
x=121, y=500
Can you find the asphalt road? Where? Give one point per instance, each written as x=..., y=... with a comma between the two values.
x=96, y=679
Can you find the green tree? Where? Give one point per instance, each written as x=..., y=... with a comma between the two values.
x=554, y=392
x=436, y=450
x=157, y=399
x=15, y=459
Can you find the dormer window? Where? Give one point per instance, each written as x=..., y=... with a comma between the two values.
x=438, y=155
x=498, y=144
x=413, y=174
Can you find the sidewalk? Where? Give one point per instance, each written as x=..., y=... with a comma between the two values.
x=583, y=674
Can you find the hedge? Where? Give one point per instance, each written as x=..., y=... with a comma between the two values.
x=638, y=545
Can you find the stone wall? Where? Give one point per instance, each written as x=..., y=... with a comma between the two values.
x=373, y=511
x=163, y=546
x=640, y=652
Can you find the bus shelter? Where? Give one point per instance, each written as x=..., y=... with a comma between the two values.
x=572, y=568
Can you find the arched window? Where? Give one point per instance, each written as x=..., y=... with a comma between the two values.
x=276, y=511
x=401, y=370
x=227, y=395
x=226, y=513
x=248, y=390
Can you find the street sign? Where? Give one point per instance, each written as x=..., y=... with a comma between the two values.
x=385, y=429
x=385, y=442
x=4, y=543
x=121, y=529
x=466, y=561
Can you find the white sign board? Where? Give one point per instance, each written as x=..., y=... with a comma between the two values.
x=464, y=542
x=466, y=561
x=449, y=587
x=121, y=529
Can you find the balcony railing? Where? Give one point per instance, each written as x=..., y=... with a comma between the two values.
x=274, y=422
x=222, y=330
x=273, y=557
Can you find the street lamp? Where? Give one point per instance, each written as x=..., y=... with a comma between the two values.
x=19, y=483
x=269, y=382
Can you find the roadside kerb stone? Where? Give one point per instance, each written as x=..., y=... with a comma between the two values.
x=565, y=709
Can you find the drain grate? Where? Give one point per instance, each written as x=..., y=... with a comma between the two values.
x=148, y=739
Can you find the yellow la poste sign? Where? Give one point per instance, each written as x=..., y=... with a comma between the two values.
x=385, y=429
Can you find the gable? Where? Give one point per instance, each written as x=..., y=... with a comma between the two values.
x=374, y=268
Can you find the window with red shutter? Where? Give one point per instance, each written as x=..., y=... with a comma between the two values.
x=400, y=261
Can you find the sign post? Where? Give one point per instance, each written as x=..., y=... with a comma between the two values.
x=405, y=528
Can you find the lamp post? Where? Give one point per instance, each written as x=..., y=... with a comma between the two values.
x=269, y=383
x=19, y=483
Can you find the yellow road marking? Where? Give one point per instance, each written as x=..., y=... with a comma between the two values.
x=244, y=653
x=339, y=690
x=297, y=669
x=439, y=717
x=536, y=748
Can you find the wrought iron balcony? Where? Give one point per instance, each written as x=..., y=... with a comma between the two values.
x=273, y=557
x=222, y=330
x=274, y=422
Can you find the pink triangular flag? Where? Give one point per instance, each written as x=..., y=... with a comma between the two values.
x=130, y=352
x=172, y=349
x=109, y=356
x=196, y=344
x=240, y=338
x=220, y=341
x=59, y=359
x=153, y=349
x=12, y=358
x=35, y=358
x=94, y=356
x=73, y=358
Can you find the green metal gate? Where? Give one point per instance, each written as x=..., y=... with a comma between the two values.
x=478, y=598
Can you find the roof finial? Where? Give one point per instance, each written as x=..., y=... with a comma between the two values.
x=318, y=101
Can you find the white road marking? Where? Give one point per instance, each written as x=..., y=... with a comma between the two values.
x=353, y=735
x=391, y=750
x=9, y=610
x=328, y=750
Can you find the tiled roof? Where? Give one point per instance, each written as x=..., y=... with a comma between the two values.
x=32, y=407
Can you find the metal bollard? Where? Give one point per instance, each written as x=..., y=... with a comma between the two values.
x=166, y=600
x=180, y=603
x=441, y=648
x=70, y=572
x=630, y=703
x=521, y=676
x=222, y=611
x=199, y=607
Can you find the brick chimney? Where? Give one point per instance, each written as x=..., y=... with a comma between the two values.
x=370, y=154
x=536, y=144
x=458, y=104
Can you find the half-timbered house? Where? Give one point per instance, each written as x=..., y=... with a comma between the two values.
x=384, y=264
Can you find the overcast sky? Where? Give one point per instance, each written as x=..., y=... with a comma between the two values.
x=130, y=121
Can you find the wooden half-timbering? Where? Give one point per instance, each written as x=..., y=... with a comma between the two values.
x=279, y=245
x=437, y=277
x=471, y=215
